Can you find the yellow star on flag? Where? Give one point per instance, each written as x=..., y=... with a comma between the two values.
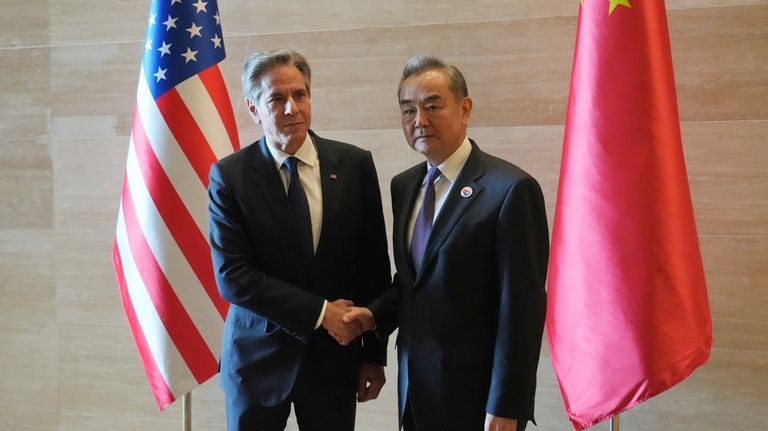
x=615, y=3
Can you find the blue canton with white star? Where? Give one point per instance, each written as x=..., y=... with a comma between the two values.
x=183, y=39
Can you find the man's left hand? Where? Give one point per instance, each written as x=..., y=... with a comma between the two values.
x=370, y=380
x=498, y=423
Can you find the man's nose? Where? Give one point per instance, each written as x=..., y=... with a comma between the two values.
x=290, y=107
x=420, y=120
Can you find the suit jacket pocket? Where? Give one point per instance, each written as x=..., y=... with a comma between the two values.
x=243, y=318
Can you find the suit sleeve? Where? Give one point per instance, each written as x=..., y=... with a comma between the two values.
x=239, y=281
x=374, y=268
x=523, y=250
x=385, y=309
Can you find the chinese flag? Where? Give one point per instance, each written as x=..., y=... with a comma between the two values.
x=628, y=315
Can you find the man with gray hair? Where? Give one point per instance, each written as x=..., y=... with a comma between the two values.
x=471, y=244
x=297, y=236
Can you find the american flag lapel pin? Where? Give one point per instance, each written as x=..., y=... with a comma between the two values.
x=334, y=177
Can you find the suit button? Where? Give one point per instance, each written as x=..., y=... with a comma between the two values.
x=418, y=296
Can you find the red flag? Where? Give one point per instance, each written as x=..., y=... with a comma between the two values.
x=628, y=315
x=183, y=122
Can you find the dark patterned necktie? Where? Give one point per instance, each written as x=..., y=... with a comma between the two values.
x=300, y=207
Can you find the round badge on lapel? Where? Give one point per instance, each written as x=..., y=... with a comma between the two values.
x=466, y=192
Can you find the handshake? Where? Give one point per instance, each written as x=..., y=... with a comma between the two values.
x=345, y=322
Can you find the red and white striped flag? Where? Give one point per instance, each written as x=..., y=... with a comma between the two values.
x=183, y=122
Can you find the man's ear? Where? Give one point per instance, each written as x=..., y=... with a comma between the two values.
x=466, y=108
x=252, y=110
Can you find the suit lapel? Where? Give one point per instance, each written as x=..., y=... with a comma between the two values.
x=454, y=207
x=331, y=185
x=267, y=180
x=412, y=185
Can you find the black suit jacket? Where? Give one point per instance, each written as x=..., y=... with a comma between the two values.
x=471, y=321
x=276, y=295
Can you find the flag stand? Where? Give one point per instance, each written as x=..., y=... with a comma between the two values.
x=615, y=423
x=186, y=412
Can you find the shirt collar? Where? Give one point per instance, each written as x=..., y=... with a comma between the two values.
x=451, y=167
x=307, y=153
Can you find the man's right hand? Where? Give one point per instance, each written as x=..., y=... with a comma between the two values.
x=361, y=316
x=344, y=333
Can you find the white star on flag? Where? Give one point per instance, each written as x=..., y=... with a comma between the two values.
x=189, y=55
x=160, y=74
x=200, y=5
x=165, y=49
x=216, y=41
x=170, y=22
x=194, y=30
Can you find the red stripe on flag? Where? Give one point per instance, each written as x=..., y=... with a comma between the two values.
x=184, y=128
x=176, y=216
x=217, y=90
x=180, y=327
x=160, y=389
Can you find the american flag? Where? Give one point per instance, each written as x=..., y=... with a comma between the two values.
x=183, y=122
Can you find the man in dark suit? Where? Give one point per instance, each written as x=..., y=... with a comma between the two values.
x=296, y=225
x=471, y=245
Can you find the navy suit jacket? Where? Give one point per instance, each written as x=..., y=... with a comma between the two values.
x=276, y=295
x=471, y=321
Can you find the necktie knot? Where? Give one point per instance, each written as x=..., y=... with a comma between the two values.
x=432, y=174
x=291, y=163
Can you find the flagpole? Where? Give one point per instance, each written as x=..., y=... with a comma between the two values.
x=615, y=423
x=186, y=412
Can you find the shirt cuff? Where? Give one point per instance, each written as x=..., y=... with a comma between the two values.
x=322, y=314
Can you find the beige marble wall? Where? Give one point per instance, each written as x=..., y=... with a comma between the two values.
x=68, y=74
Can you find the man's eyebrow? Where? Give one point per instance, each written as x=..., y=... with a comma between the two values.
x=430, y=98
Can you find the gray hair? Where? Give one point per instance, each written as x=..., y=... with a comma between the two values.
x=421, y=63
x=260, y=62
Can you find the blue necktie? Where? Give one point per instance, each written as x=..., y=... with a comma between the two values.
x=423, y=225
x=300, y=207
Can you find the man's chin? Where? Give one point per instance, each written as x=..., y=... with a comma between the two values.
x=296, y=135
x=295, y=140
x=294, y=129
x=421, y=146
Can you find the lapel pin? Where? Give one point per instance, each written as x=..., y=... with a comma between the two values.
x=334, y=177
x=466, y=192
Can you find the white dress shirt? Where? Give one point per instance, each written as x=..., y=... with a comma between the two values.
x=309, y=175
x=449, y=171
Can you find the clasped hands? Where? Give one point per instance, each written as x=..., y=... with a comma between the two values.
x=345, y=322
